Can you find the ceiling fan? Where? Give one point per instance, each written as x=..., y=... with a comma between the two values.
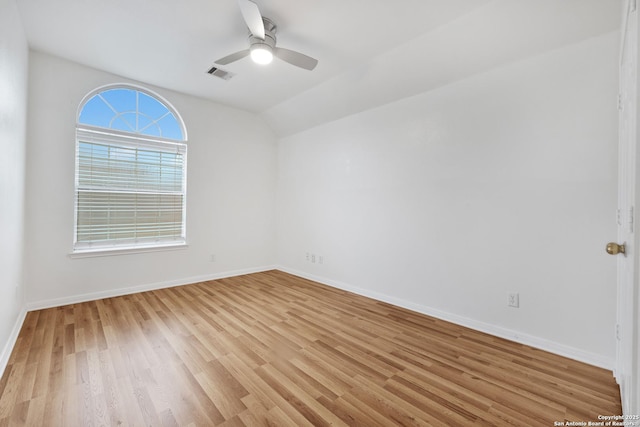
x=262, y=41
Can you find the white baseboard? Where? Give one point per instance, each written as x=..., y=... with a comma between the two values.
x=510, y=334
x=498, y=331
x=11, y=341
x=75, y=299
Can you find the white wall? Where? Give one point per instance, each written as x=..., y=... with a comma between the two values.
x=230, y=196
x=447, y=201
x=13, y=109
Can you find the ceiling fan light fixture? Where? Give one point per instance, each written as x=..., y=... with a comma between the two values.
x=262, y=41
x=261, y=53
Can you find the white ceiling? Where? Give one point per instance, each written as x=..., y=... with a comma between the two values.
x=369, y=51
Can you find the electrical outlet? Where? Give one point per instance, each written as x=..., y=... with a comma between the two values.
x=307, y=256
x=313, y=258
x=514, y=300
x=212, y=258
x=320, y=259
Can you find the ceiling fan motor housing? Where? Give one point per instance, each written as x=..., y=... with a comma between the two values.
x=269, y=41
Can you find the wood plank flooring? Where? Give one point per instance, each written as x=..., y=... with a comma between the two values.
x=277, y=350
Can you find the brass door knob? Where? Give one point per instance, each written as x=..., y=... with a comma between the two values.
x=615, y=249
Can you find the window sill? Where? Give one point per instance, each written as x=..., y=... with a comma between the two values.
x=100, y=252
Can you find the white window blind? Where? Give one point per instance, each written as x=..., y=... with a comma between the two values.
x=130, y=191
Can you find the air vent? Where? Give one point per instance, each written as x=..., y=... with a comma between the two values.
x=218, y=72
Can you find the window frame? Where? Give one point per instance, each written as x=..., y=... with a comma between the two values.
x=114, y=137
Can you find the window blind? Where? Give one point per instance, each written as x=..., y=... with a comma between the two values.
x=130, y=192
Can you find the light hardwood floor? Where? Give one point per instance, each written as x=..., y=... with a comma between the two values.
x=275, y=349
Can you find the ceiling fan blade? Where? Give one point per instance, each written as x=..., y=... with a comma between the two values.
x=233, y=57
x=295, y=58
x=252, y=17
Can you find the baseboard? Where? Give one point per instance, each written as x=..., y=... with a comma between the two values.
x=498, y=331
x=75, y=299
x=510, y=334
x=11, y=341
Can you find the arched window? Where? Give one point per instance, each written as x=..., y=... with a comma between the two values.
x=130, y=182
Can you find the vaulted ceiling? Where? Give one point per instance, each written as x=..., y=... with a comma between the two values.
x=370, y=52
